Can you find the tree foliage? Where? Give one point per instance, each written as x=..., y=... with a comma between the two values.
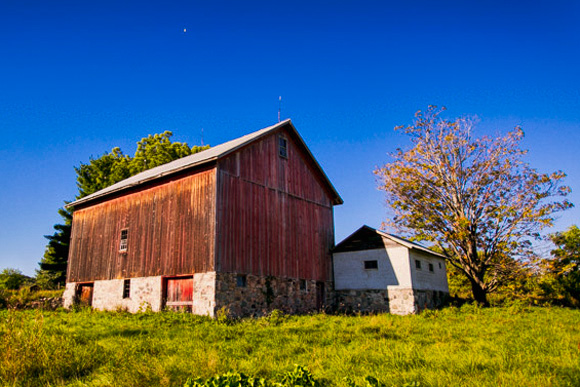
x=52, y=272
x=474, y=197
x=100, y=173
x=112, y=167
x=565, y=265
x=12, y=279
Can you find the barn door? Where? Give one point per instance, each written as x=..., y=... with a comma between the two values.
x=85, y=294
x=320, y=295
x=179, y=293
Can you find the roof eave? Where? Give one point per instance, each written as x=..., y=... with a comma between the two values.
x=397, y=240
x=410, y=245
x=138, y=183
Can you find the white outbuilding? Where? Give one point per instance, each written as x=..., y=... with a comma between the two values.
x=379, y=272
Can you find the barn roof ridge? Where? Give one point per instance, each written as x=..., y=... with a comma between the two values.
x=201, y=158
x=401, y=241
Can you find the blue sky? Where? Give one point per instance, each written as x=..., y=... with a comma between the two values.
x=78, y=78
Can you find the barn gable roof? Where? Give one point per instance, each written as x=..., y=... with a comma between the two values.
x=206, y=157
x=366, y=238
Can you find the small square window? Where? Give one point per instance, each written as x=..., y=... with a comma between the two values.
x=283, y=147
x=430, y=267
x=369, y=265
x=417, y=264
x=124, y=237
x=241, y=281
x=127, y=288
x=303, y=285
x=439, y=265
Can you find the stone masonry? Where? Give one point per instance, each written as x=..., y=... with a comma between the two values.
x=108, y=294
x=259, y=295
x=395, y=301
x=204, y=300
x=256, y=296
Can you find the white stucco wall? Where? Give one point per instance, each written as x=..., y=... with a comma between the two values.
x=393, y=269
x=423, y=279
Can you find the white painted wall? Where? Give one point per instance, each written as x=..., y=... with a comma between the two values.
x=423, y=279
x=393, y=269
x=396, y=270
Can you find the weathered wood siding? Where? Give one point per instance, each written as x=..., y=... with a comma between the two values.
x=275, y=217
x=171, y=231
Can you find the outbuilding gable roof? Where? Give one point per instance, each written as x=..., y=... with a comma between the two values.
x=368, y=238
x=206, y=157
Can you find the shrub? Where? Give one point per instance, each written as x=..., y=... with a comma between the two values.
x=299, y=377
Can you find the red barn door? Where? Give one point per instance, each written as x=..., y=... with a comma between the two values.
x=179, y=293
x=85, y=294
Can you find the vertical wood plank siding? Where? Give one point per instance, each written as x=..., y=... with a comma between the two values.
x=171, y=231
x=275, y=217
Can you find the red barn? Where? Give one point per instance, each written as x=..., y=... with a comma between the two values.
x=246, y=225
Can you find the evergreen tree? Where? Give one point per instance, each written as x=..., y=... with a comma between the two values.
x=52, y=272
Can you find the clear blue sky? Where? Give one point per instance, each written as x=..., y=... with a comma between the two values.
x=78, y=78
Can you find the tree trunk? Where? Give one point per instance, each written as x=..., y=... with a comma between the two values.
x=479, y=293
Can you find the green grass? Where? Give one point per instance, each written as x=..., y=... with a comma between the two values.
x=465, y=346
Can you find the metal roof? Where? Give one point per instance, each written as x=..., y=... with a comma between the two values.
x=201, y=158
x=391, y=237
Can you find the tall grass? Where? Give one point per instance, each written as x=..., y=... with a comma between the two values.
x=465, y=346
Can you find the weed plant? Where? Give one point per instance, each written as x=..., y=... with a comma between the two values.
x=466, y=346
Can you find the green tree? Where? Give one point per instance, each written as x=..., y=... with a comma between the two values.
x=12, y=279
x=52, y=272
x=158, y=149
x=475, y=198
x=99, y=173
x=565, y=264
x=102, y=172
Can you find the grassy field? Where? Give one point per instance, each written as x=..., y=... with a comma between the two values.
x=465, y=346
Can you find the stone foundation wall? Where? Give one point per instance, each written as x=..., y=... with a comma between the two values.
x=430, y=299
x=68, y=296
x=204, y=302
x=261, y=295
x=364, y=301
x=395, y=301
x=145, y=292
x=402, y=301
x=258, y=296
